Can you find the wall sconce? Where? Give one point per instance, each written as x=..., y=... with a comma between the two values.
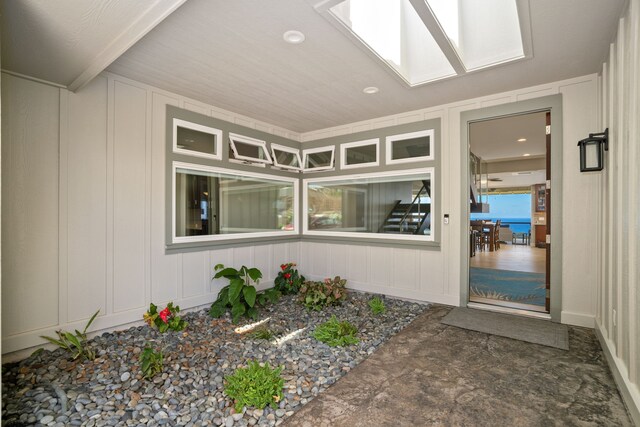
x=592, y=151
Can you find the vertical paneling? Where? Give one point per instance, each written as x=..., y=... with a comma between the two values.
x=87, y=200
x=30, y=142
x=404, y=269
x=337, y=260
x=379, y=262
x=129, y=148
x=219, y=256
x=262, y=260
x=164, y=268
x=193, y=279
x=357, y=263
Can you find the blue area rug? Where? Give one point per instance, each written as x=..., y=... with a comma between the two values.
x=506, y=285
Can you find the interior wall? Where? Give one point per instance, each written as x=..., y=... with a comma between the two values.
x=102, y=151
x=617, y=318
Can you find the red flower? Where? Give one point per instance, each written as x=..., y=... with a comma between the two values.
x=164, y=315
x=283, y=266
x=287, y=275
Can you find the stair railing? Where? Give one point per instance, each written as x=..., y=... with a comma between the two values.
x=415, y=199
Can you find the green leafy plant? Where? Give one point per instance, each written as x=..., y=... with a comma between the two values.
x=166, y=319
x=151, y=362
x=317, y=295
x=377, y=305
x=289, y=280
x=336, y=333
x=262, y=333
x=75, y=343
x=240, y=294
x=255, y=385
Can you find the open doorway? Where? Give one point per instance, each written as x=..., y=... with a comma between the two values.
x=509, y=166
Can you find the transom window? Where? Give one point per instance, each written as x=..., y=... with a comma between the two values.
x=428, y=40
x=318, y=159
x=286, y=157
x=410, y=147
x=360, y=154
x=193, y=139
x=249, y=149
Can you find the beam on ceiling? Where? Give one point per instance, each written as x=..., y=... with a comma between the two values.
x=156, y=13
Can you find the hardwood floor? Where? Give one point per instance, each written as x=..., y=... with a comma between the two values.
x=511, y=257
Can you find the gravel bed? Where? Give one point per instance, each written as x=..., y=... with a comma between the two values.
x=49, y=389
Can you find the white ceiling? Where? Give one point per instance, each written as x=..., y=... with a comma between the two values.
x=497, y=139
x=231, y=54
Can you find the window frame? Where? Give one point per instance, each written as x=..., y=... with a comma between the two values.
x=345, y=147
x=294, y=181
x=234, y=137
x=305, y=154
x=286, y=149
x=199, y=128
x=419, y=172
x=389, y=140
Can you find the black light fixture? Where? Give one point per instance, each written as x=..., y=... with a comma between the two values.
x=592, y=151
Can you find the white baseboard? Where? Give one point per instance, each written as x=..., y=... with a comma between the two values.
x=629, y=391
x=577, y=319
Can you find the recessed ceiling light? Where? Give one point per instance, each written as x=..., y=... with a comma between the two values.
x=522, y=139
x=526, y=155
x=370, y=90
x=293, y=37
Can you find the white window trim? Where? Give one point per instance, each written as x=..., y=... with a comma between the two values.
x=345, y=147
x=240, y=236
x=234, y=137
x=305, y=154
x=200, y=128
x=286, y=149
x=430, y=171
x=391, y=139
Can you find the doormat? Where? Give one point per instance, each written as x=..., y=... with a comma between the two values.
x=506, y=285
x=535, y=331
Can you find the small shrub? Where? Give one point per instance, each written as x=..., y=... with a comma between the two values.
x=288, y=281
x=165, y=319
x=336, y=333
x=240, y=294
x=255, y=385
x=317, y=295
x=151, y=362
x=262, y=333
x=377, y=305
x=75, y=343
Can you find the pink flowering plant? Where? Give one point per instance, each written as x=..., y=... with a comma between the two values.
x=288, y=281
x=166, y=319
x=318, y=295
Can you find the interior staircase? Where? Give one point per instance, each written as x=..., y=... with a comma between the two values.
x=409, y=218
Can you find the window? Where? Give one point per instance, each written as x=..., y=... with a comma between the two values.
x=286, y=157
x=218, y=204
x=196, y=140
x=392, y=205
x=318, y=159
x=360, y=154
x=249, y=149
x=410, y=147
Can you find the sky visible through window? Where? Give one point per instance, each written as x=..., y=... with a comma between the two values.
x=507, y=206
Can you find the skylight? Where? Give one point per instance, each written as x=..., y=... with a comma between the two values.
x=427, y=40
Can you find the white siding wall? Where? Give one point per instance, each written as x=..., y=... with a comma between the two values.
x=435, y=276
x=83, y=219
x=110, y=203
x=617, y=318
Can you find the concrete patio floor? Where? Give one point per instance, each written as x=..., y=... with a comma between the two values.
x=434, y=374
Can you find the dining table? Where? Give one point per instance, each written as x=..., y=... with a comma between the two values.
x=486, y=228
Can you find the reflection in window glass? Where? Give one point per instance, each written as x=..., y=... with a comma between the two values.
x=210, y=203
x=285, y=157
x=398, y=205
x=410, y=147
x=248, y=149
x=319, y=160
x=193, y=140
x=361, y=154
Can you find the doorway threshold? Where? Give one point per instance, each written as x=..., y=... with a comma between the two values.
x=508, y=310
